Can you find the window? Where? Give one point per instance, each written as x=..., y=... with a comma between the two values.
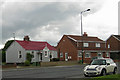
x=99, y=54
x=97, y=44
x=85, y=44
x=107, y=54
x=33, y=54
x=108, y=45
x=79, y=54
x=61, y=54
x=87, y=55
x=46, y=53
x=19, y=54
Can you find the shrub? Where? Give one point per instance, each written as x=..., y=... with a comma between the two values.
x=29, y=57
x=80, y=61
x=27, y=63
x=55, y=59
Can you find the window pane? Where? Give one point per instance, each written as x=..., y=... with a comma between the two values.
x=61, y=54
x=108, y=45
x=85, y=44
x=46, y=53
x=87, y=55
x=99, y=54
x=79, y=54
x=97, y=44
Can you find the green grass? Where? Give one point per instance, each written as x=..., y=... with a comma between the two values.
x=110, y=76
x=107, y=77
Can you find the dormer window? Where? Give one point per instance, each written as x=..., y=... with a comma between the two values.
x=85, y=44
x=97, y=44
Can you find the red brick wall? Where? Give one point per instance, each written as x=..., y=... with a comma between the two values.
x=65, y=46
x=114, y=43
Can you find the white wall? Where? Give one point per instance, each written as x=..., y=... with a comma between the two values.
x=12, y=53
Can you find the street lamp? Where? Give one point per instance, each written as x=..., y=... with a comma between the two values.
x=82, y=31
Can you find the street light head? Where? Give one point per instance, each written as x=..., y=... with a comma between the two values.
x=88, y=9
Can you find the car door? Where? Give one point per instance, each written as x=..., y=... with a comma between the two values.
x=108, y=66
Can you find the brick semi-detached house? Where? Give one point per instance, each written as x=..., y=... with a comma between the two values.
x=70, y=48
x=114, y=46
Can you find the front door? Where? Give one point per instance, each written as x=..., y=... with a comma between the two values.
x=40, y=57
x=66, y=56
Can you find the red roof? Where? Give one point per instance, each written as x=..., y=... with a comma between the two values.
x=35, y=45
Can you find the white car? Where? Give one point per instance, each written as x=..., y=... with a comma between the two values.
x=100, y=67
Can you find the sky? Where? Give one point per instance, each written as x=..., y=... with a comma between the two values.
x=51, y=19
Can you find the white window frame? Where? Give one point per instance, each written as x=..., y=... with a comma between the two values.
x=107, y=54
x=79, y=54
x=46, y=53
x=19, y=53
x=88, y=56
x=97, y=44
x=108, y=45
x=61, y=55
x=101, y=54
x=86, y=44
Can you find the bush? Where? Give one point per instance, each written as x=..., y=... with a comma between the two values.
x=55, y=59
x=29, y=57
x=80, y=61
x=27, y=63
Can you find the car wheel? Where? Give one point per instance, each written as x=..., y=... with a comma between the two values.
x=103, y=73
x=115, y=70
x=85, y=75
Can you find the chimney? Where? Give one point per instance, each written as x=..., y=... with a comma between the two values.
x=26, y=38
x=85, y=34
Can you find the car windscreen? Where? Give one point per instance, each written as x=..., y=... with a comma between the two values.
x=98, y=62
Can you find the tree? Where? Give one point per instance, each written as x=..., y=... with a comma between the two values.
x=3, y=56
x=29, y=57
x=7, y=44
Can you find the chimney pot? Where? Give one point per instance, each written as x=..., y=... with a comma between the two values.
x=26, y=38
x=85, y=34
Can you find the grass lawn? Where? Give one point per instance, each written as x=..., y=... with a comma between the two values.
x=107, y=77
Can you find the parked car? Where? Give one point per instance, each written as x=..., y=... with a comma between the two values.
x=100, y=67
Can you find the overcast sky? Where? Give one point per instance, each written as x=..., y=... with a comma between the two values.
x=50, y=20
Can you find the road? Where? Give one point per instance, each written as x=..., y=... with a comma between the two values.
x=75, y=71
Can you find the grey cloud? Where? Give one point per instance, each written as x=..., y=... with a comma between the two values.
x=27, y=17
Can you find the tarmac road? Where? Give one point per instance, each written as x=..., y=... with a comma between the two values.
x=46, y=72
x=75, y=71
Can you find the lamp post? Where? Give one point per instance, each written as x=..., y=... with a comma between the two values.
x=82, y=31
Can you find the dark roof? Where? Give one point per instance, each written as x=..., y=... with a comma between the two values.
x=85, y=38
x=117, y=36
x=35, y=45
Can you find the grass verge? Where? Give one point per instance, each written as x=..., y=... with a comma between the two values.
x=107, y=77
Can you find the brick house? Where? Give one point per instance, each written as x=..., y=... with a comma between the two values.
x=70, y=48
x=113, y=43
